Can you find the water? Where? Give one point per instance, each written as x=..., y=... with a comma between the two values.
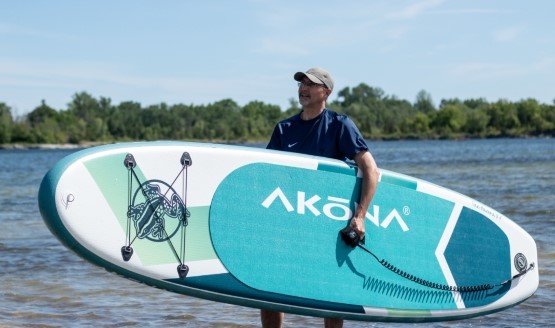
x=42, y=284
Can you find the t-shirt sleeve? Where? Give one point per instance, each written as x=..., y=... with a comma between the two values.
x=351, y=140
x=275, y=140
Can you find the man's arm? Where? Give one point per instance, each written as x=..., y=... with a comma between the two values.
x=370, y=176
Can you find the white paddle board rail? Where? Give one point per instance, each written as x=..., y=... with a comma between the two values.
x=260, y=228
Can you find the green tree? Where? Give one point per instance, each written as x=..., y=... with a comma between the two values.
x=365, y=106
x=41, y=114
x=476, y=103
x=293, y=108
x=424, y=102
x=417, y=126
x=450, y=119
x=219, y=117
x=477, y=122
x=529, y=116
x=395, y=112
x=503, y=119
x=125, y=122
x=45, y=127
x=183, y=120
x=260, y=119
x=547, y=113
x=91, y=116
x=6, y=123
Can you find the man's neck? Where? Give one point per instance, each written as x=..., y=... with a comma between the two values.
x=309, y=113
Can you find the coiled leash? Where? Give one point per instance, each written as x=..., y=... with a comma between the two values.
x=351, y=238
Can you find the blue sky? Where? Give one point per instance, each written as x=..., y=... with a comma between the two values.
x=200, y=52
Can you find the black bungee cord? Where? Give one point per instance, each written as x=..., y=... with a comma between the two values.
x=352, y=239
x=127, y=250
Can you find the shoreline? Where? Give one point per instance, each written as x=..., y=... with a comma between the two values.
x=20, y=146
x=24, y=146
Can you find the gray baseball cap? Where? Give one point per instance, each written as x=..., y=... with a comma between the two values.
x=316, y=75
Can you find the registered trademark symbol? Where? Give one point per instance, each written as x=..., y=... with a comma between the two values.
x=406, y=210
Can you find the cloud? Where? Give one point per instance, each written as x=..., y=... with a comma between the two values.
x=546, y=65
x=287, y=48
x=58, y=80
x=44, y=70
x=503, y=70
x=27, y=32
x=416, y=9
x=508, y=34
x=482, y=70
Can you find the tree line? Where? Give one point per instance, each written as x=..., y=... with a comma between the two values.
x=378, y=116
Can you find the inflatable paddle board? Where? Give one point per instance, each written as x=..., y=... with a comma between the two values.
x=260, y=228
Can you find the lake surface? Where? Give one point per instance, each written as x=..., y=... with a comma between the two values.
x=45, y=285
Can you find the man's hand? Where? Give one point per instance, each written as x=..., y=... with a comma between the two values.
x=358, y=225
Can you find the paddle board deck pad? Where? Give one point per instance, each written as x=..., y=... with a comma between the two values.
x=260, y=228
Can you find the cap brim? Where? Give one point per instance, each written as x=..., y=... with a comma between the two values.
x=299, y=77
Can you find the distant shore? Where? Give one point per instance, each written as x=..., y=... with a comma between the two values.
x=23, y=146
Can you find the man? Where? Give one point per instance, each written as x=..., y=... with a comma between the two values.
x=319, y=131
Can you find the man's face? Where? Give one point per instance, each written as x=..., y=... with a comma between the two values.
x=311, y=93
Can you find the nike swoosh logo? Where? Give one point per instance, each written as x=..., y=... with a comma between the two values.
x=291, y=145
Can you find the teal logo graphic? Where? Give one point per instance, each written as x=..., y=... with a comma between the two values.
x=157, y=211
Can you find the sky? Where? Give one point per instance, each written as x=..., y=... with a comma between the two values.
x=201, y=52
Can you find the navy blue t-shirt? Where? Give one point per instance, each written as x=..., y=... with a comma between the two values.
x=330, y=135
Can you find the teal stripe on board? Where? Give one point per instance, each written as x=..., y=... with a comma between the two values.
x=337, y=169
x=111, y=177
x=403, y=182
